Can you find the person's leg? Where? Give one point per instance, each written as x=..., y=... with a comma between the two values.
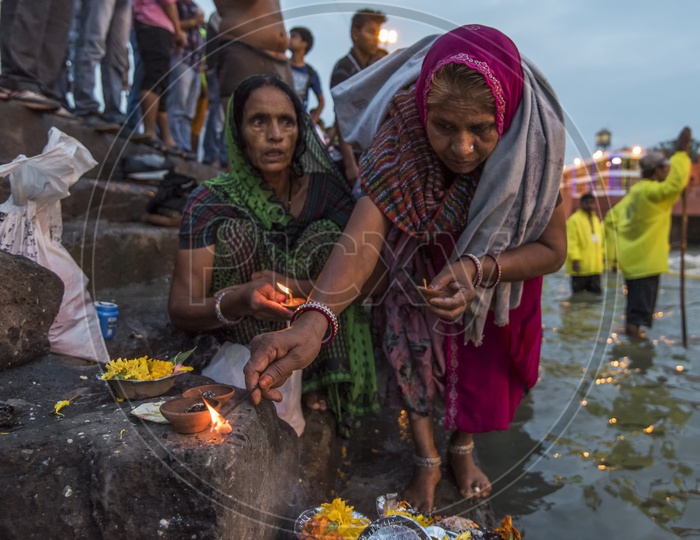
x=214, y=123
x=641, y=300
x=149, y=112
x=578, y=284
x=114, y=65
x=594, y=284
x=176, y=99
x=33, y=38
x=420, y=492
x=133, y=110
x=195, y=84
x=95, y=18
x=471, y=480
x=179, y=103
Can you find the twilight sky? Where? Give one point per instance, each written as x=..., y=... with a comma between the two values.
x=630, y=67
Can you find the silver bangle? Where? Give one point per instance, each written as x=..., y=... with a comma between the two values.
x=479, y=269
x=218, y=297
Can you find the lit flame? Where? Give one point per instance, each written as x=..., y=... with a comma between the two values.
x=286, y=291
x=219, y=424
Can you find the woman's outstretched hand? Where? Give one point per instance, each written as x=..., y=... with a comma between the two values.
x=264, y=302
x=275, y=355
x=458, y=292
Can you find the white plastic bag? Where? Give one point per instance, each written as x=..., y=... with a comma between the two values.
x=227, y=368
x=31, y=225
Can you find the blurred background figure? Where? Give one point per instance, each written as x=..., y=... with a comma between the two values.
x=253, y=41
x=157, y=27
x=186, y=67
x=33, y=39
x=305, y=77
x=584, y=257
x=364, y=32
x=214, y=144
x=642, y=223
x=104, y=27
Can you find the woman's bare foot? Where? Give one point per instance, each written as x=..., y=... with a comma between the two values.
x=420, y=492
x=471, y=480
x=316, y=401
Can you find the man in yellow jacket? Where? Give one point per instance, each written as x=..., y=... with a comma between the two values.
x=584, y=256
x=643, y=226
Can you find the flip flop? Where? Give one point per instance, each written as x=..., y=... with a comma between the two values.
x=156, y=145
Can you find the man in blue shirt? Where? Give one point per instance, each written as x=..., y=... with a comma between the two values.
x=300, y=42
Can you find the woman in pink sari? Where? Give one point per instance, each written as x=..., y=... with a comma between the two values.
x=460, y=190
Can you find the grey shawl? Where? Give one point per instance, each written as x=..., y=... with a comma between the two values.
x=520, y=182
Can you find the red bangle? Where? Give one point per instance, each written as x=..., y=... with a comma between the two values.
x=326, y=312
x=498, y=272
x=479, y=269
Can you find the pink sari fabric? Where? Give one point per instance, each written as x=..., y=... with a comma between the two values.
x=485, y=384
x=486, y=50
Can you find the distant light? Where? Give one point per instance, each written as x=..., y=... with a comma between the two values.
x=679, y=368
x=616, y=160
x=637, y=150
x=577, y=161
x=388, y=36
x=648, y=429
x=613, y=420
x=597, y=154
x=586, y=454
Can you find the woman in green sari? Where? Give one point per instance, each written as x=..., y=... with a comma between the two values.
x=273, y=219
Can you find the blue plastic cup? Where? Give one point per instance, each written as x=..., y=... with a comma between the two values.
x=108, y=314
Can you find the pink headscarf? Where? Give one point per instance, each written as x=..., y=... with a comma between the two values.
x=486, y=50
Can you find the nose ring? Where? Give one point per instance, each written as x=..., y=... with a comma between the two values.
x=471, y=147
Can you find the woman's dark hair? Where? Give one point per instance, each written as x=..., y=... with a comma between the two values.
x=240, y=98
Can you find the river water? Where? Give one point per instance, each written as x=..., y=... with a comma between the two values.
x=607, y=444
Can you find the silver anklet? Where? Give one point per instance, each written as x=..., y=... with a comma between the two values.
x=461, y=449
x=419, y=461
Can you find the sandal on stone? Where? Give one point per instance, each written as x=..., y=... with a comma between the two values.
x=461, y=450
x=420, y=461
x=156, y=145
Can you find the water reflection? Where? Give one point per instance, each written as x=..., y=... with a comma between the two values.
x=613, y=424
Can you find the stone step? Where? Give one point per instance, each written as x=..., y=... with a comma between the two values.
x=107, y=149
x=117, y=254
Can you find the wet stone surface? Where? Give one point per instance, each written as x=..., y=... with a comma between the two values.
x=99, y=472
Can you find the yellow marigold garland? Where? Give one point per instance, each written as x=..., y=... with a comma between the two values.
x=334, y=521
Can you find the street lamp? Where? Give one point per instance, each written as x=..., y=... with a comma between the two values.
x=388, y=36
x=603, y=138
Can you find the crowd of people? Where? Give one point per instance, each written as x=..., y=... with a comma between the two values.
x=447, y=170
x=185, y=68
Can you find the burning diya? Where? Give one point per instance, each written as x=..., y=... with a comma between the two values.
x=290, y=303
x=191, y=415
x=427, y=293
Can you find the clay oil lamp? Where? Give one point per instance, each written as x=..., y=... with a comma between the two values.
x=220, y=392
x=189, y=415
x=290, y=303
x=426, y=293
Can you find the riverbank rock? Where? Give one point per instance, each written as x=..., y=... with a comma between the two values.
x=30, y=297
x=99, y=472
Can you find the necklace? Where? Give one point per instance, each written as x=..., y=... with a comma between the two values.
x=289, y=196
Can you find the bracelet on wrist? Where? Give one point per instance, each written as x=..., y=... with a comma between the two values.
x=498, y=272
x=324, y=310
x=479, y=269
x=218, y=297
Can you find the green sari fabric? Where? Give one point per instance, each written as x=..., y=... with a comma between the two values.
x=268, y=237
